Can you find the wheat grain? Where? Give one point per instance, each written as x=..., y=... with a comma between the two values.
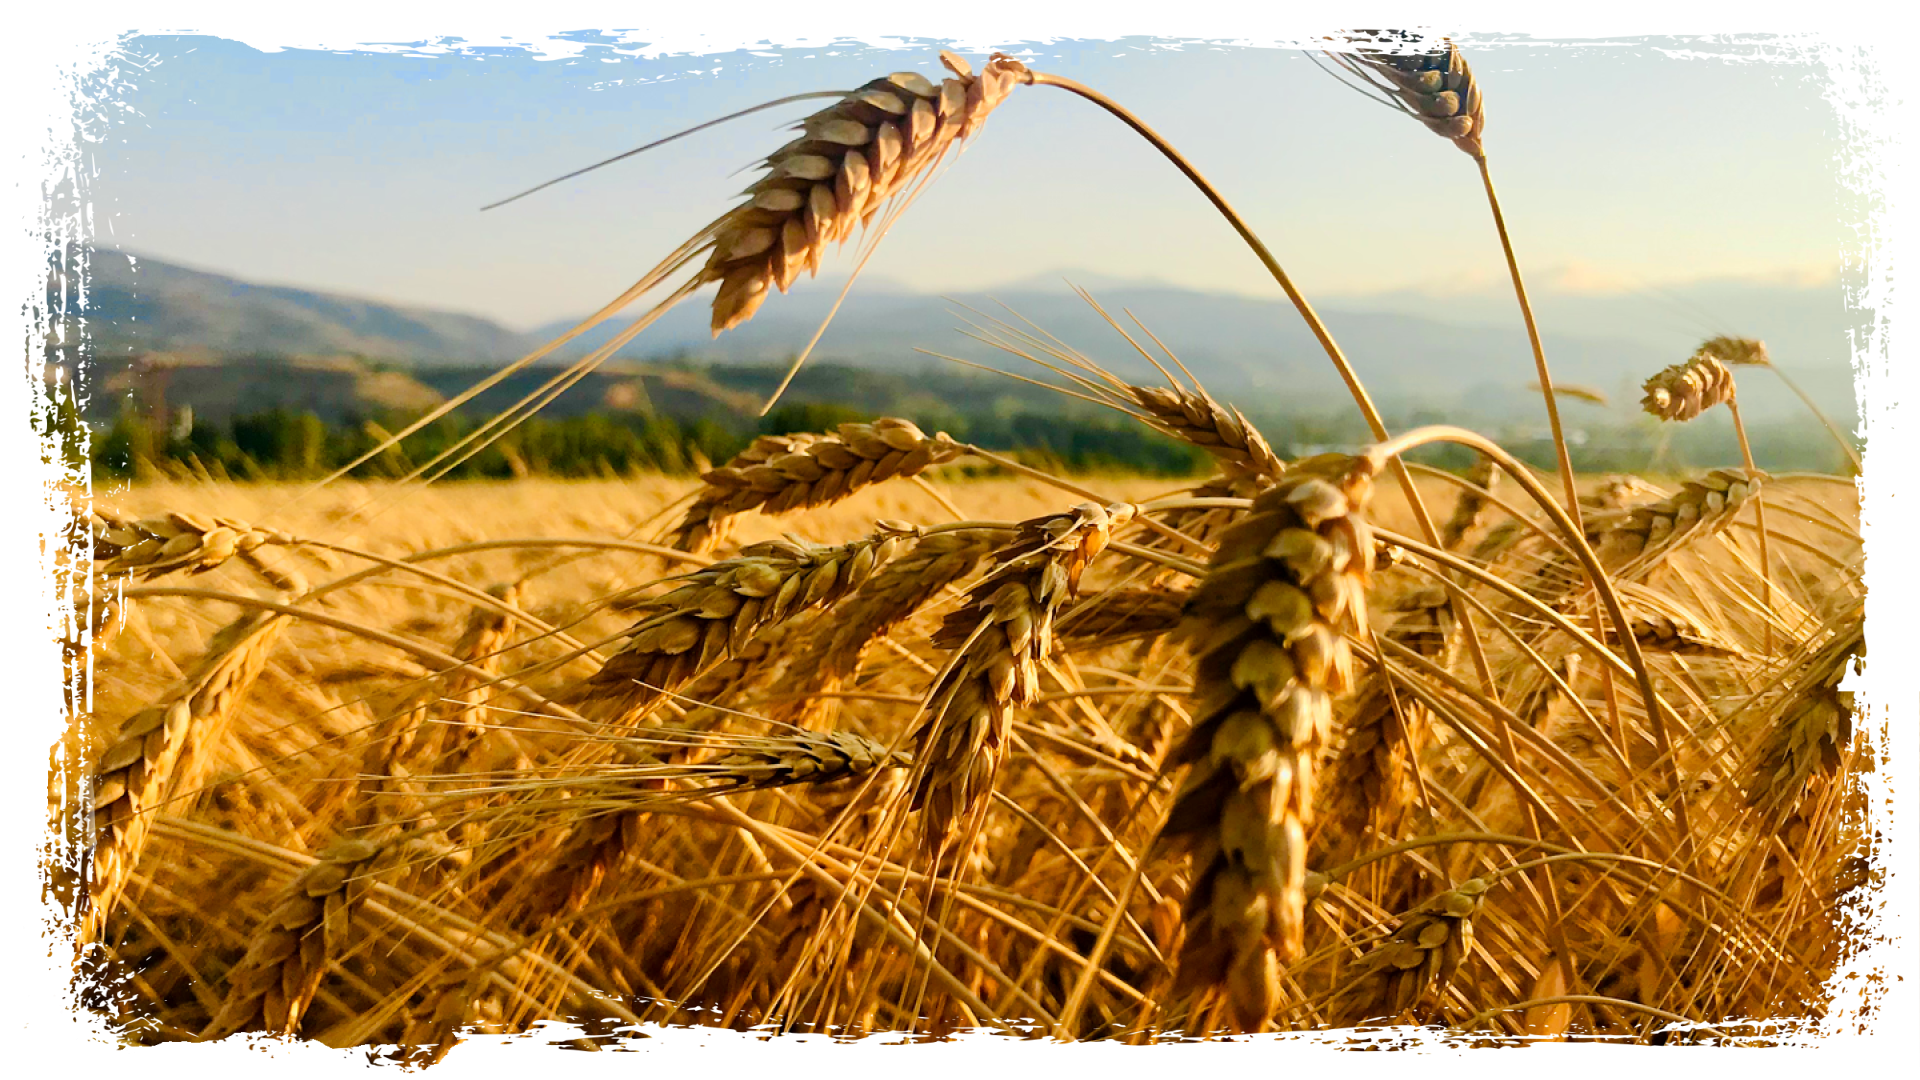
x=1267, y=626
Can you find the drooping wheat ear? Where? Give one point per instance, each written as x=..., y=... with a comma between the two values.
x=1739, y=352
x=1370, y=785
x=899, y=589
x=1684, y=391
x=1266, y=626
x=143, y=769
x=1193, y=416
x=287, y=959
x=800, y=758
x=852, y=157
x=1813, y=725
x=1662, y=624
x=778, y=474
x=1702, y=507
x=717, y=610
x=487, y=632
x=1471, y=504
x=1000, y=637
x=1435, y=86
x=148, y=547
x=1421, y=956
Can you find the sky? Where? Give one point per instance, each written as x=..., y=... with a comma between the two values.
x=1621, y=165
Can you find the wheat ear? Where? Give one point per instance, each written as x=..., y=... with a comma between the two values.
x=778, y=474
x=287, y=959
x=143, y=768
x=149, y=547
x=1267, y=626
x=852, y=157
x=1422, y=955
x=998, y=638
x=1813, y=726
x=716, y=610
x=1684, y=391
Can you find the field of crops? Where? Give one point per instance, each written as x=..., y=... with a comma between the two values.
x=836, y=739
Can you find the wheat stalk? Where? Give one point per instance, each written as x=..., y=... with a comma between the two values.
x=1267, y=626
x=778, y=474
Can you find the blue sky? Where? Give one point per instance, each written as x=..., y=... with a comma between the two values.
x=1621, y=165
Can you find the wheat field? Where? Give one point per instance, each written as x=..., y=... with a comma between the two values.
x=843, y=738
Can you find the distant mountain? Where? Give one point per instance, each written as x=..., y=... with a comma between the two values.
x=1455, y=355
x=136, y=304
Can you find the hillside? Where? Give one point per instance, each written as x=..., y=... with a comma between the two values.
x=1253, y=350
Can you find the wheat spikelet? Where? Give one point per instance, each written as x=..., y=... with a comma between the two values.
x=1435, y=86
x=143, y=768
x=779, y=474
x=149, y=547
x=1813, y=726
x=287, y=959
x=1684, y=391
x=851, y=158
x=716, y=610
x=1422, y=955
x=1001, y=635
x=1267, y=626
x=1471, y=504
